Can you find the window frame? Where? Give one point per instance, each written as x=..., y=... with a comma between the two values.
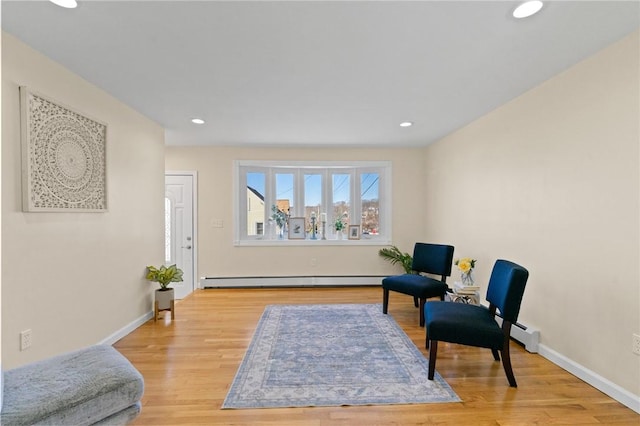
x=326, y=169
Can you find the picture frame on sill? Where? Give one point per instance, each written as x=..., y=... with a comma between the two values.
x=296, y=228
x=354, y=232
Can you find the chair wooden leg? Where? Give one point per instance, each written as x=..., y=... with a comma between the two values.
x=432, y=358
x=385, y=300
x=506, y=357
x=422, y=303
x=506, y=363
x=155, y=311
x=173, y=309
x=496, y=356
x=415, y=301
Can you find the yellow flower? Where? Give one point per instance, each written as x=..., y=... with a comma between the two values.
x=464, y=265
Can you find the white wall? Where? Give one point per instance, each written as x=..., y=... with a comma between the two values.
x=1, y=375
x=76, y=278
x=551, y=181
x=217, y=255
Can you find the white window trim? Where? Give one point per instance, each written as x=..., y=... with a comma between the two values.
x=385, y=193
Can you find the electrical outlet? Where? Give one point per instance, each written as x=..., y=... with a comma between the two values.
x=25, y=340
x=636, y=344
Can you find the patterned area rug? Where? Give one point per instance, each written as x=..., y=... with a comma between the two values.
x=331, y=355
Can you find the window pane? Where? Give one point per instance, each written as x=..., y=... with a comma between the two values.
x=370, y=185
x=341, y=198
x=312, y=198
x=167, y=230
x=255, y=203
x=284, y=192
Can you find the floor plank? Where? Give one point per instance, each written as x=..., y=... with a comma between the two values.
x=189, y=363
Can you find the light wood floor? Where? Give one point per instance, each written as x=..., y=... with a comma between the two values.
x=189, y=363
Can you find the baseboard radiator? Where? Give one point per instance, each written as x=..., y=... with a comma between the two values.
x=528, y=336
x=292, y=281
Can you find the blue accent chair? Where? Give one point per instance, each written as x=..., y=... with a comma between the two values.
x=474, y=325
x=432, y=259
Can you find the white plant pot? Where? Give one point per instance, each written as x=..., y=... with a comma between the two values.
x=164, y=298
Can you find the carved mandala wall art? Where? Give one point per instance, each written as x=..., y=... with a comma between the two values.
x=64, y=158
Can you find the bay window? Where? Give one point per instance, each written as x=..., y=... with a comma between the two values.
x=269, y=193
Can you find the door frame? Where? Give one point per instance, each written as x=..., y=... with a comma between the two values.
x=194, y=197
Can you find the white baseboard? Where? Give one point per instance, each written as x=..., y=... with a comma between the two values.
x=110, y=340
x=290, y=281
x=621, y=395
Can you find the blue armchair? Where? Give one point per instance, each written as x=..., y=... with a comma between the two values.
x=474, y=325
x=432, y=259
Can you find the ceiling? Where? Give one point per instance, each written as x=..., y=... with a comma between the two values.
x=326, y=73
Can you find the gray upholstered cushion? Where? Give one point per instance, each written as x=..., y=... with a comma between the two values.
x=78, y=388
x=121, y=417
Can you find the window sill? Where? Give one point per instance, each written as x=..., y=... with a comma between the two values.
x=308, y=242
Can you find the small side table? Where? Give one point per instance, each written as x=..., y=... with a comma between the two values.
x=471, y=299
x=462, y=294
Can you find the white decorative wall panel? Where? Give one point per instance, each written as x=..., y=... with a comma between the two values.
x=64, y=158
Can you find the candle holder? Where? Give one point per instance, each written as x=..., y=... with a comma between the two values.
x=324, y=228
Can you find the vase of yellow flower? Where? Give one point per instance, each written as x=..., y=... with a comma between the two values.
x=466, y=265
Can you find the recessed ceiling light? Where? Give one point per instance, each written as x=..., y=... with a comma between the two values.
x=527, y=9
x=69, y=4
x=197, y=121
x=406, y=124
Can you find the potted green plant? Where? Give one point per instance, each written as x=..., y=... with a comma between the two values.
x=339, y=225
x=280, y=218
x=394, y=255
x=165, y=295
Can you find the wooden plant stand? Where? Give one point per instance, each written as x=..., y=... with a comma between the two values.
x=172, y=308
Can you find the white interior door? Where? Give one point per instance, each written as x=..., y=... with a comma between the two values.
x=179, y=229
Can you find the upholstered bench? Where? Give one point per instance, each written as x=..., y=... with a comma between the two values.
x=96, y=385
